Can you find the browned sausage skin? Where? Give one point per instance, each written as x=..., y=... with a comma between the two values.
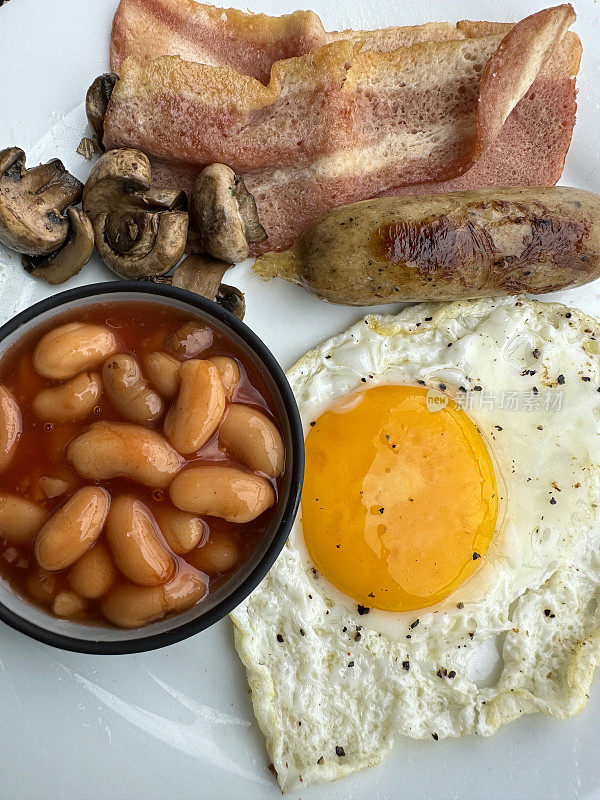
x=446, y=247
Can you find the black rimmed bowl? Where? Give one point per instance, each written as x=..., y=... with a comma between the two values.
x=32, y=620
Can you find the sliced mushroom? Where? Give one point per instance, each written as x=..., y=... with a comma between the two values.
x=140, y=244
x=96, y=102
x=121, y=180
x=75, y=253
x=33, y=203
x=202, y=275
x=224, y=215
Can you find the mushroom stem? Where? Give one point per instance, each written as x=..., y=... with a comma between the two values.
x=202, y=275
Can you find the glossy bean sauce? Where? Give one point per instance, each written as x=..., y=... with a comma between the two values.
x=39, y=472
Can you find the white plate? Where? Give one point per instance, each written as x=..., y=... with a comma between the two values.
x=177, y=723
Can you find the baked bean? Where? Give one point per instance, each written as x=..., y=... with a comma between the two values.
x=127, y=389
x=72, y=348
x=182, y=531
x=11, y=426
x=221, y=491
x=111, y=449
x=94, y=573
x=196, y=413
x=186, y=588
x=61, y=480
x=20, y=519
x=136, y=543
x=72, y=400
x=135, y=606
x=163, y=373
x=249, y=436
x=53, y=487
x=68, y=604
x=218, y=555
x=189, y=341
x=73, y=529
x=229, y=371
x=42, y=584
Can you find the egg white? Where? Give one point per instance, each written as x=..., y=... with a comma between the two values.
x=523, y=633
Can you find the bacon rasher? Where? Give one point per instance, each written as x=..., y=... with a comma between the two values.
x=248, y=43
x=339, y=125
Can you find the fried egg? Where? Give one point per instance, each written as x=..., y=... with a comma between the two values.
x=442, y=576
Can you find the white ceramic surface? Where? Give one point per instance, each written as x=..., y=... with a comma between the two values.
x=177, y=724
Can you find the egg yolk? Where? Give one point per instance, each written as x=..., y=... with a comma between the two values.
x=399, y=503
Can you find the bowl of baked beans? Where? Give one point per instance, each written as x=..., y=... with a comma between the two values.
x=151, y=463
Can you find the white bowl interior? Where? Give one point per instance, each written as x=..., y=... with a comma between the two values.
x=90, y=633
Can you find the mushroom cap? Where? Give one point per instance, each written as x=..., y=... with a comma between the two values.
x=223, y=213
x=96, y=102
x=75, y=253
x=33, y=203
x=140, y=244
x=121, y=180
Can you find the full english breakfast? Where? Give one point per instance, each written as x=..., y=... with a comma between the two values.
x=449, y=507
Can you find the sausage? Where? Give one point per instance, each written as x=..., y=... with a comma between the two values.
x=450, y=246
